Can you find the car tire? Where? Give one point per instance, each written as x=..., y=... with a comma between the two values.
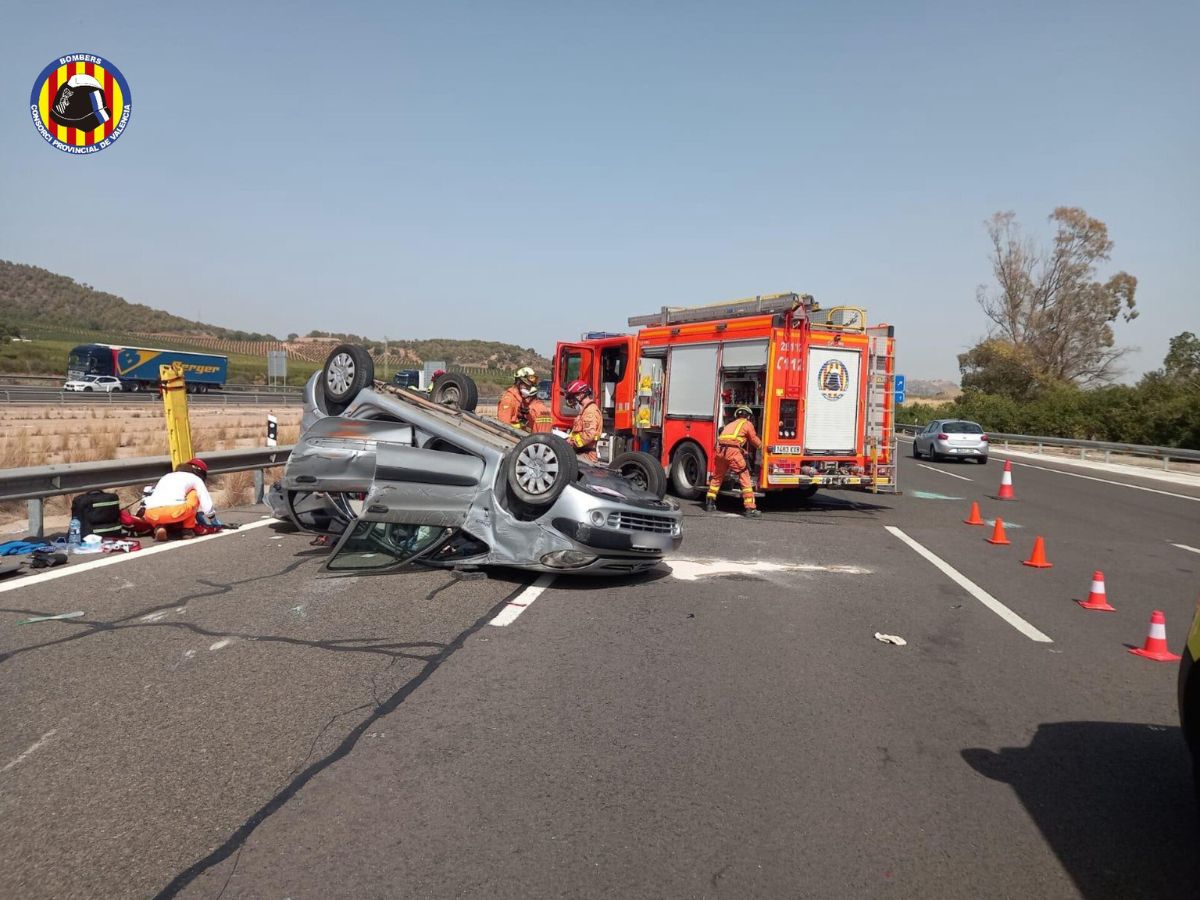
x=348, y=369
x=539, y=468
x=916, y=452
x=689, y=471
x=457, y=390
x=982, y=460
x=805, y=492
x=642, y=470
x=88, y=389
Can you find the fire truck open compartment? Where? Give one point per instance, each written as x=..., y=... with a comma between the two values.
x=819, y=386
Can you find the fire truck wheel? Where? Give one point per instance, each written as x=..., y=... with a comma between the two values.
x=689, y=468
x=642, y=470
x=539, y=468
x=807, y=492
x=457, y=390
x=348, y=369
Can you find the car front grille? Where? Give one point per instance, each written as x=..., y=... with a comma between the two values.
x=627, y=521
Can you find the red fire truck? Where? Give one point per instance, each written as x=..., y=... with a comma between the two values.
x=820, y=384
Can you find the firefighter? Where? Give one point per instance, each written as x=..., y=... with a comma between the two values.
x=730, y=458
x=514, y=402
x=178, y=498
x=588, y=424
x=537, y=416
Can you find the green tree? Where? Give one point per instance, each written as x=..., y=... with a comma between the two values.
x=1182, y=362
x=996, y=366
x=1048, y=304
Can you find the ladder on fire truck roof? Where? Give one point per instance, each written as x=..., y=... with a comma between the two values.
x=734, y=309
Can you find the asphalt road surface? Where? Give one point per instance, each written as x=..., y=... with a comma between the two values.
x=227, y=721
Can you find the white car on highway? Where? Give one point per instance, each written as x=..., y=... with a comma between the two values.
x=951, y=439
x=106, y=383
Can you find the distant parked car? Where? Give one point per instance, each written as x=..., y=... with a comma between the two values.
x=106, y=383
x=408, y=378
x=951, y=438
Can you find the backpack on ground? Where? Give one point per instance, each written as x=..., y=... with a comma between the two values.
x=98, y=512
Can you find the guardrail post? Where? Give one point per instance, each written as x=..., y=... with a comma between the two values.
x=1107, y=455
x=1083, y=452
x=1039, y=448
x=259, y=486
x=1166, y=464
x=36, y=527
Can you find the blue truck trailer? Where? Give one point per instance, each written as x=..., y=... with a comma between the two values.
x=137, y=367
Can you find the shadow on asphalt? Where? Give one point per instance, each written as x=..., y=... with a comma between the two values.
x=1115, y=802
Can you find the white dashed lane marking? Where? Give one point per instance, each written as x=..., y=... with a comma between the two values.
x=944, y=472
x=972, y=588
x=521, y=601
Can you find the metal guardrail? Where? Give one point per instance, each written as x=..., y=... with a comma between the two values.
x=29, y=394
x=35, y=483
x=1166, y=454
x=55, y=382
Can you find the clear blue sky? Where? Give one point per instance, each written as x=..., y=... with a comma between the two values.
x=526, y=171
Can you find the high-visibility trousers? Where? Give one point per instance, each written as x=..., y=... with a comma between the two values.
x=730, y=459
x=181, y=514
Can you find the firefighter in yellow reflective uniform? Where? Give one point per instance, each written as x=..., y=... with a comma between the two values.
x=730, y=458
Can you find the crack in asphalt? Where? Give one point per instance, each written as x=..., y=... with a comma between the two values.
x=232, y=846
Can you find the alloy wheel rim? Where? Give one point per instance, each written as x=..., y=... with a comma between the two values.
x=537, y=469
x=340, y=373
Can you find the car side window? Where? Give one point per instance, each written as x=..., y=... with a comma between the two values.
x=380, y=546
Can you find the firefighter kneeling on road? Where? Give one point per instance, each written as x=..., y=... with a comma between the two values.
x=178, y=497
x=730, y=458
x=588, y=425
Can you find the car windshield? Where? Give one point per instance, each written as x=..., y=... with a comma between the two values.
x=375, y=546
x=962, y=428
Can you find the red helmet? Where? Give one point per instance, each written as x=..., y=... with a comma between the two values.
x=579, y=388
x=198, y=463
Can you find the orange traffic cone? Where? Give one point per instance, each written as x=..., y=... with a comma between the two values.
x=974, y=518
x=1156, y=640
x=1006, y=488
x=1097, y=599
x=1037, y=558
x=998, y=535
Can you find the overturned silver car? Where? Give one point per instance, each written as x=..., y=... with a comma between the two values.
x=404, y=476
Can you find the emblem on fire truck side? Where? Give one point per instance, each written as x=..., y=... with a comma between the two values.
x=833, y=379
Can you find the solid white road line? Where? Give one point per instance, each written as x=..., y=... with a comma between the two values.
x=973, y=589
x=944, y=472
x=522, y=601
x=1186, y=547
x=113, y=558
x=1136, y=487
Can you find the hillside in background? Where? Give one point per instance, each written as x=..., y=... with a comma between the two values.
x=52, y=308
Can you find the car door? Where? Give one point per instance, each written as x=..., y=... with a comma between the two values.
x=414, y=486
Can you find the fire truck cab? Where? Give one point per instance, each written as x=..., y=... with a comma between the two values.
x=820, y=384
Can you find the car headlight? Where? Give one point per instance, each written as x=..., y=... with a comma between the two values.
x=567, y=559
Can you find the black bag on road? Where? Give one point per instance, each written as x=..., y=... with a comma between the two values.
x=98, y=512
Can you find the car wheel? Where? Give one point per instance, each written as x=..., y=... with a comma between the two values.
x=916, y=452
x=689, y=468
x=347, y=370
x=539, y=468
x=457, y=390
x=982, y=460
x=806, y=492
x=88, y=389
x=642, y=470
